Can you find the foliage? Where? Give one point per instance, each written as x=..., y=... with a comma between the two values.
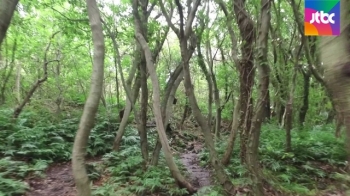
x=45, y=131
x=312, y=165
x=30, y=144
x=128, y=177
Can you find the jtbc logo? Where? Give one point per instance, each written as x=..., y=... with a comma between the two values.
x=322, y=18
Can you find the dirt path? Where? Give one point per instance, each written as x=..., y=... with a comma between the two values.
x=200, y=177
x=58, y=182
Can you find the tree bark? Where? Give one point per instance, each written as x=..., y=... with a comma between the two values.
x=18, y=82
x=264, y=71
x=335, y=55
x=167, y=103
x=216, y=92
x=207, y=75
x=304, y=108
x=234, y=131
x=130, y=102
x=247, y=72
x=143, y=110
x=7, y=9
x=92, y=102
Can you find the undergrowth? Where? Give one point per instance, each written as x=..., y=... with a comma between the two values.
x=126, y=175
x=31, y=143
x=314, y=164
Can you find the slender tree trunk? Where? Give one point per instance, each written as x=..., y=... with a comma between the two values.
x=217, y=107
x=92, y=102
x=289, y=113
x=143, y=110
x=268, y=106
x=130, y=98
x=171, y=87
x=216, y=91
x=289, y=105
x=234, y=131
x=127, y=110
x=208, y=78
x=186, y=114
x=18, y=82
x=116, y=81
x=304, y=108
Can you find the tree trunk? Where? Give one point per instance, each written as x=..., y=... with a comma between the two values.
x=264, y=71
x=289, y=105
x=216, y=91
x=247, y=72
x=18, y=82
x=181, y=181
x=130, y=98
x=92, y=102
x=268, y=106
x=186, y=114
x=167, y=106
x=234, y=130
x=143, y=109
x=335, y=55
x=144, y=88
x=7, y=8
x=215, y=162
x=208, y=78
x=128, y=108
x=8, y=75
x=20, y=107
x=305, y=107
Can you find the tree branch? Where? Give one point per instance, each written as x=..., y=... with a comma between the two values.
x=191, y=17
x=168, y=19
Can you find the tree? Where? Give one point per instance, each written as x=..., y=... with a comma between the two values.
x=20, y=107
x=181, y=181
x=185, y=34
x=259, y=115
x=92, y=102
x=7, y=8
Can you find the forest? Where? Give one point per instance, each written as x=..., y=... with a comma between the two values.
x=172, y=98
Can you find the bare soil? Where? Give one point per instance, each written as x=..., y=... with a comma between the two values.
x=58, y=182
x=200, y=177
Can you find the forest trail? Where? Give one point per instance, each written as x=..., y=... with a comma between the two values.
x=199, y=176
x=58, y=182
x=59, y=179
